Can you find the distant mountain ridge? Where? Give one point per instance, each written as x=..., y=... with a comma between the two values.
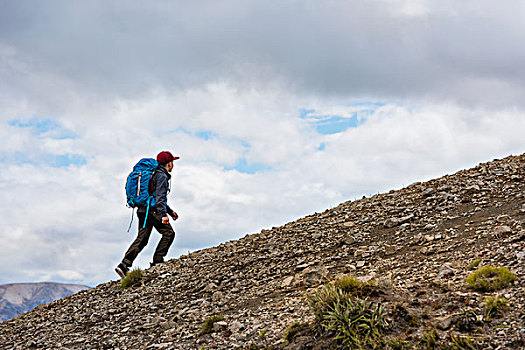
x=17, y=298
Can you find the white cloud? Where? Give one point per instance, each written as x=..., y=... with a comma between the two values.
x=74, y=219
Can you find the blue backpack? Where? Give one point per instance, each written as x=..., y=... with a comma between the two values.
x=137, y=184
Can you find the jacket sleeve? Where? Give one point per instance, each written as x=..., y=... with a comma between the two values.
x=161, y=192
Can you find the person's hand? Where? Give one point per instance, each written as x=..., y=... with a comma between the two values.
x=174, y=215
x=165, y=220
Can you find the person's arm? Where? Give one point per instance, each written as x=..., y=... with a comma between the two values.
x=172, y=213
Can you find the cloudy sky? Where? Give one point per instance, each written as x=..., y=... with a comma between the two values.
x=277, y=110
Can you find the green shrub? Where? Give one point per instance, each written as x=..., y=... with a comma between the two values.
x=324, y=299
x=397, y=343
x=489, y=278
x=253, y=347
x=356, y=322
x=430, y=338
x=467, y=320
x=207, y=325
x=495, y=307
x=353, y=320
x=133, y=278
x=341, y=289
x=352, y=285
x=474, y=264
x=462, y=343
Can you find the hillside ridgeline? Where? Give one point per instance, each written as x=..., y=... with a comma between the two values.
x=415, y=247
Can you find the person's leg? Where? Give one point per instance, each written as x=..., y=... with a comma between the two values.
x=140, y=242
x=168, y=236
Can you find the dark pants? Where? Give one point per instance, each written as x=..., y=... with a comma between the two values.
x=167, y=232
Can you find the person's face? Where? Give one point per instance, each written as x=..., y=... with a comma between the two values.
x=169, y=166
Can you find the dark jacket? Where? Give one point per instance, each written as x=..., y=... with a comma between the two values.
x=159, y=186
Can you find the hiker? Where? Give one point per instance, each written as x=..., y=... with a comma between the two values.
x=157, y=216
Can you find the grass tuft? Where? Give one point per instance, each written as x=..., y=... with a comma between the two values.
x=463, y=343
x=397, y=343
x=207, y=325
x=495, y=307
x=468, y=320
x=489, y=278
x=352, y=285
x=133, y=278
x=253, y=347
x=337, y=307
x=430, y=338
x=474, y=264
x=357, y=321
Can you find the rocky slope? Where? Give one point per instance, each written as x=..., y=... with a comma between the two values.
x=17, y=298
x=417, y=243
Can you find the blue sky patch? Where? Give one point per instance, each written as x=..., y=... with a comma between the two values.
x=244, y=167
x=65, y=160
x=303, y=112
x=183, y=130
x=368, y=104
x=335, y=124
x=201, y=133
x=245, y=144
x=44, y=127
x=205, y=134
x=327, y=124
x=45, y=160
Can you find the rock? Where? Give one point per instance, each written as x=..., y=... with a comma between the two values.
x=391, y=222
x=427, y=251
x=391, y=249
x=500, y=230
x=348, y=241
x=472, y=189
x=217, y=296
x=444, y=322
x=220, y=326
x=367, y=278
x=446, y=271
x=287, y=281
x=301, y=266
x=315, y=275
x=236, y=326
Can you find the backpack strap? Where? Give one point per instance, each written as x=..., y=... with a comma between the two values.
x=145, y=219
x=147, y=212
x=150, y=189
x=132, y=212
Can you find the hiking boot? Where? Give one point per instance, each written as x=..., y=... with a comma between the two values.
x=156, y=263
x=122, y=270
